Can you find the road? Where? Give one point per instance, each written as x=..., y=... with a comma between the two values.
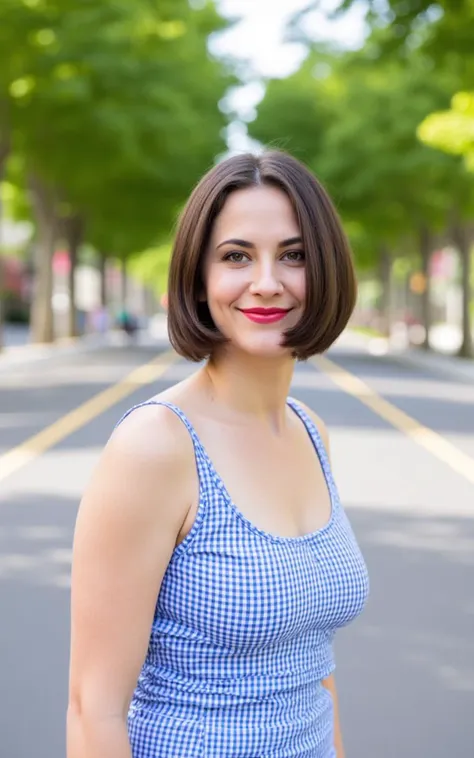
x=405, y=668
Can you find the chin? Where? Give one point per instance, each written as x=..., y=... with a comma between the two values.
x=264, y=348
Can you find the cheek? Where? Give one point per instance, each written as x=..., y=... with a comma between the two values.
x=224, y=286
x=303, y=288
x=298, y=284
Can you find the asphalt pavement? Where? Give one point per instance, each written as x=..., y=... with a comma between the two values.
x=405, y=668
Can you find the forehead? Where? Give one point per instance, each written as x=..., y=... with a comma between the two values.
x=256, y=212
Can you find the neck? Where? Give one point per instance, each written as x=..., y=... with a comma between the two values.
x=251, y=387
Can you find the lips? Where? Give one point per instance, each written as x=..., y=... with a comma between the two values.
x=264, y=315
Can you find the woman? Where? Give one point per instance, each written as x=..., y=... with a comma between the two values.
x=213, y=561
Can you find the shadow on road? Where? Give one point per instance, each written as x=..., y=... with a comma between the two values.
x=35, y=557
x=406, y=667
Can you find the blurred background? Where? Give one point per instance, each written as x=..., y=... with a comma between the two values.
x=110, y=111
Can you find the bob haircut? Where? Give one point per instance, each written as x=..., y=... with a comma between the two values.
x=331, y=287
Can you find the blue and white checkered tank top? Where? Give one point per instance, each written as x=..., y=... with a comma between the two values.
x=243, y=629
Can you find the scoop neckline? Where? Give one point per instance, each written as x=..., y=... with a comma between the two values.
x=278, y=538
x=296, y=539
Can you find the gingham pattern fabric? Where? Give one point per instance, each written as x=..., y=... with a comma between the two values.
x=242, y=632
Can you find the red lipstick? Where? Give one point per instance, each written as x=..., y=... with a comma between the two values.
x=264, y=315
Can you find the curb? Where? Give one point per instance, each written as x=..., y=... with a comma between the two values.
x=34, y=346
x=21, y=354
x=460, y=369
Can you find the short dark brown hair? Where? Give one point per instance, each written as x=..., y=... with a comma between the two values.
x=331, y=287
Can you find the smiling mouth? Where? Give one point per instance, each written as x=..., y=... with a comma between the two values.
x=265, y=315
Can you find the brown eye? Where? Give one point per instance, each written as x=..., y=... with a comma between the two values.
x=235, y=257
x=295, y=256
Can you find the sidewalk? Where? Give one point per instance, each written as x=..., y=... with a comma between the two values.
x=449, y=365
x=14, y=355
x=154, y=336
x=460, y=369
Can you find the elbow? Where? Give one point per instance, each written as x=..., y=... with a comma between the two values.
x=79, y=721
x=86, y=707
x=89, y=732
x=78, y=708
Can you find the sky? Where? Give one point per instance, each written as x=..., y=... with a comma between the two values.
x=258, y=40
x=259, y=35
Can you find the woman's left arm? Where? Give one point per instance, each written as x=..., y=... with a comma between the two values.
x=330, y=684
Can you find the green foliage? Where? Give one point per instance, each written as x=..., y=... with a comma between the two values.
x=151, y=266
x=453, y=130
x=441, y=31
x=356, y=128
x=115, y=105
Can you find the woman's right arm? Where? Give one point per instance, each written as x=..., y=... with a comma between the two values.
x=126, y=530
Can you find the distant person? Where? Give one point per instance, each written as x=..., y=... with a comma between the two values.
x=213, y=561
x=127, y=322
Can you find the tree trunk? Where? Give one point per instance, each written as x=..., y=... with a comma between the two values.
x=4, y=152
x=385, y=275
x=103, y=279
x=461, y=239
x=425, y=252
x=149, y=300
x=2, y=278
x=74, y=230
x=123, y=283
x=47, y=224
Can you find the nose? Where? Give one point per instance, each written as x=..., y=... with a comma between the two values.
x=265, y=281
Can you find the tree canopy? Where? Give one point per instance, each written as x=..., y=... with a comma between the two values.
x=363, y=122
x=109, y=113
x=452, y=130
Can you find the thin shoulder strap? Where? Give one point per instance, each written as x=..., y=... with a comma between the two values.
x=200, y=454
x=316, y=438
x=169, y=405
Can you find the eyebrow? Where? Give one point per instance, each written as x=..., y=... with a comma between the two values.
x=250, y=245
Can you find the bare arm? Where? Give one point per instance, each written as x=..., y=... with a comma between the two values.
x=126, y=530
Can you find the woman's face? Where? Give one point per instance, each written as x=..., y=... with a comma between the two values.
x=254, y=270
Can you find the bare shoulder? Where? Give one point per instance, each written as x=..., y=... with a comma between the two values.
x=126, y=531
x=145, y=467
x=152, y=432
x=318, y=422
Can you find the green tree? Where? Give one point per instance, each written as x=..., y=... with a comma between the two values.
x=442, y=35
x=444, y=30
x=114, y=109
x=354, y=121
x=452, y=130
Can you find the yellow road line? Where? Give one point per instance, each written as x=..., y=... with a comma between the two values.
x=432, y=441
x=27, y=451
